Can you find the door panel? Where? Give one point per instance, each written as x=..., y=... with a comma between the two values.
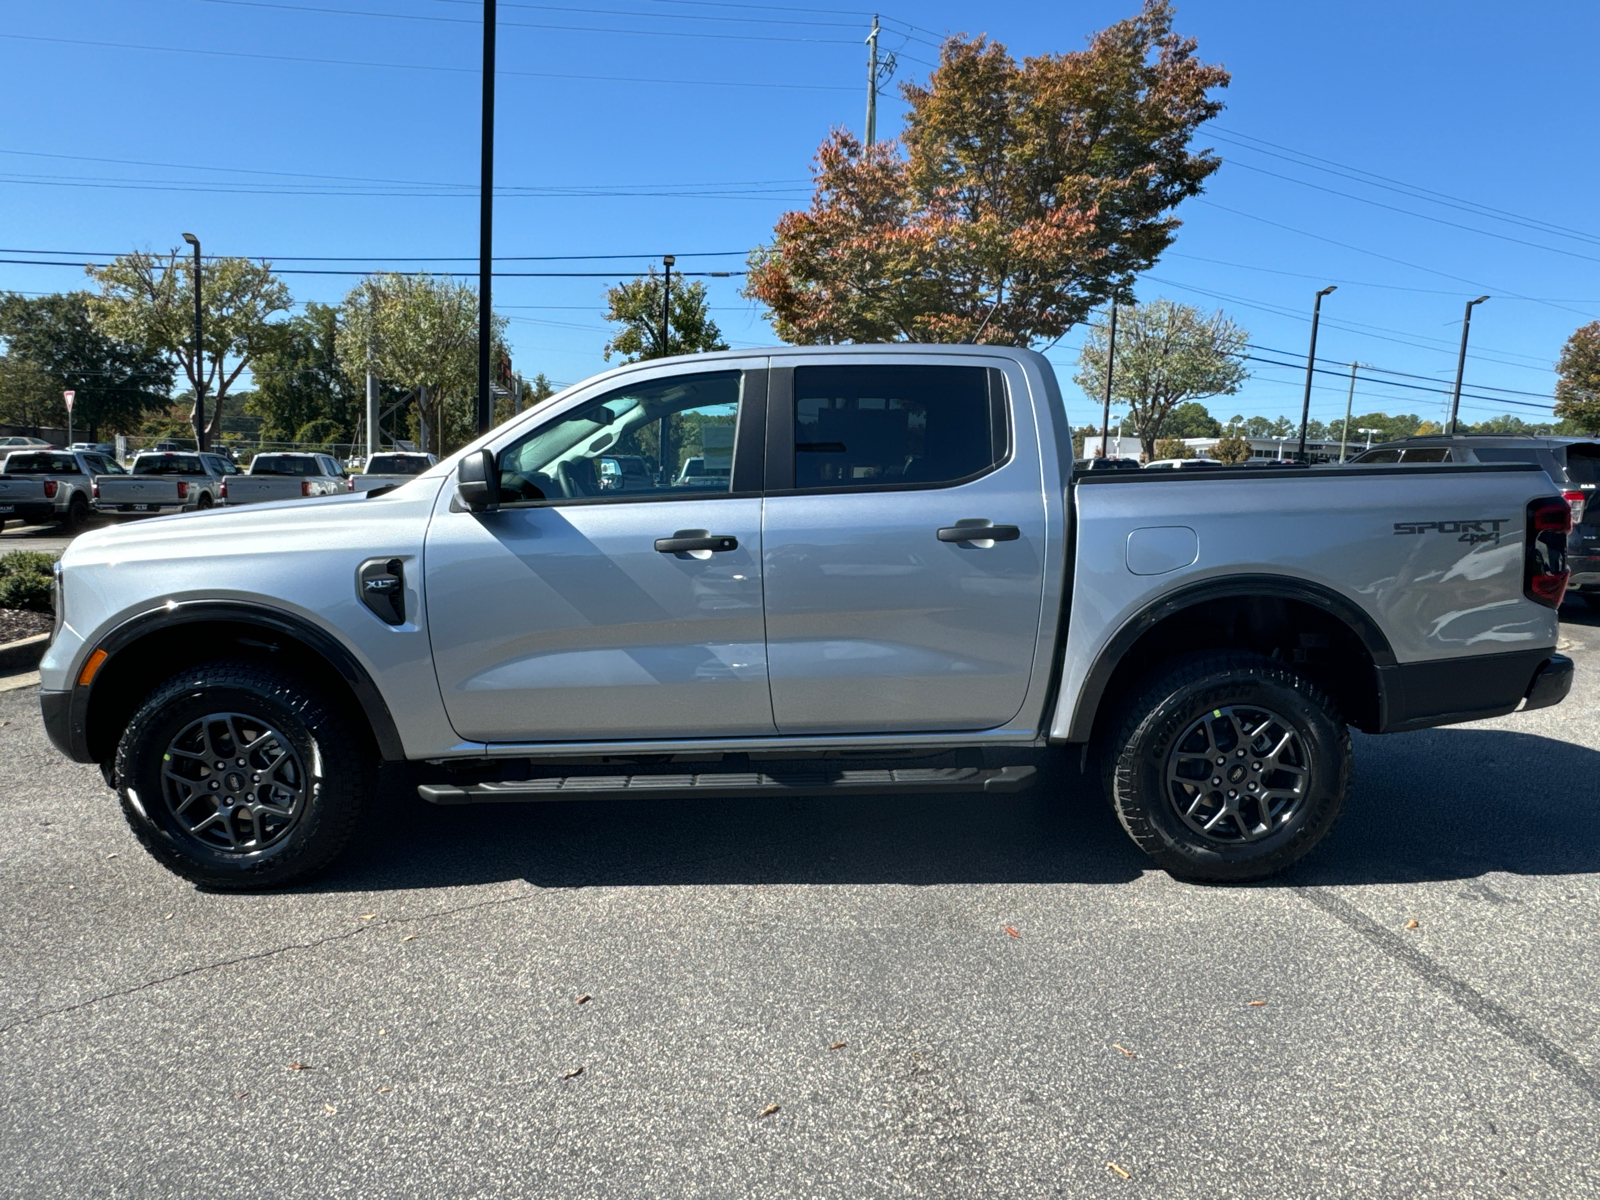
x=874, y=623
x=565, y=622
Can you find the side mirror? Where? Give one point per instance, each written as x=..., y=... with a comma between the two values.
x=478, y=482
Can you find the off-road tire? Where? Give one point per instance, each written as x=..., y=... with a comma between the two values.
x=204, y=502
x=1161, y=711
x=340, y=773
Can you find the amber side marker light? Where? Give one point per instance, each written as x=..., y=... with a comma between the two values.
x=92, y=667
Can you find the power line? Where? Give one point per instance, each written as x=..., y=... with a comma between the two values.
x=438, y=274
x=1387, y=258
x=400, y=258
x=1415, y=191
x=1393, y=287
x=344, y=62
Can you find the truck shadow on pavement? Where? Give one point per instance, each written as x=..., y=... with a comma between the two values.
x=1435, y=805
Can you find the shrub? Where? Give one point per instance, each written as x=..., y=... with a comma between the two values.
x=1232, y=448
x=26, y=581
x=1173, y=448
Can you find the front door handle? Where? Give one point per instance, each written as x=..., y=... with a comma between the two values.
x=979, y=531
x=686, y=541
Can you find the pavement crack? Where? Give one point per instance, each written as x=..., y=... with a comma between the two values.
x=1489, y=1012
x=217, y=965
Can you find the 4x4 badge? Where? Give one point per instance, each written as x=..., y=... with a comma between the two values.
x=1471, y=532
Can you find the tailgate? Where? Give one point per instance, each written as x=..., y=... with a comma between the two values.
x=248, y=489
x=17, y=490
x=143, y=489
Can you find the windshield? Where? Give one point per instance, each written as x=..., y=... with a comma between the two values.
x=41, y=464
x=397, y=464
x=1583, y=464
x=168, y=464
x=284, y=464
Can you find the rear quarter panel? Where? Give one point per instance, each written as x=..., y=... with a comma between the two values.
x=1435, y=594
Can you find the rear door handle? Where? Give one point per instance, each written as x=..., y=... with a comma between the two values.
x=979, y=531
x=686, y=540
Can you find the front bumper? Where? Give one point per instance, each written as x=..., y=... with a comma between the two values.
x=56, y=708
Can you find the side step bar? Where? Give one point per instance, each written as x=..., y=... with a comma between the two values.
x=726, y=783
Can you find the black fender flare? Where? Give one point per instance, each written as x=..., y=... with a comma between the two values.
x=238, y=612
x=1278, y=586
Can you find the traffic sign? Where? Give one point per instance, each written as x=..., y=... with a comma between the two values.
x=69, y=396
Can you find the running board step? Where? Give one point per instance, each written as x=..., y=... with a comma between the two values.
x=726, y=783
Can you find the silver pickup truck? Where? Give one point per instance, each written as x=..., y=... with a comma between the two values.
x=51, y=485
x=391, y=470
x=898, y=585
x=291, y=475
x=165, y=481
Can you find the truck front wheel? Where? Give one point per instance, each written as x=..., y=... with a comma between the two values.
x=1229, y=767
x=235, y=776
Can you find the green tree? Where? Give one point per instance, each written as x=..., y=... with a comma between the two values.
x=29, y=395
x=1191, y=419
x=1171, y=447
x=422, y=336
x=1506, y=423
x=147, y=300
x=1167, y=354
x=1026, y=194
x=1232, y=447
x=636, y=306
x=1578, y=379
x=299, y=381
x=1389, y=428
x=115, y=382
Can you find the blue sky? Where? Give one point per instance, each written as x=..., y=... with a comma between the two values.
x=637, y=127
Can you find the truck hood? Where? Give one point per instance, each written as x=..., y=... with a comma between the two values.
x=222, y=532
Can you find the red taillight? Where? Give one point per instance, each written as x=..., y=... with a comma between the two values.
x=1575, y=501
x=350, y=484
x=305, y=487
x=50, y=486
x=222, y=489
x=183, y=490
x=94, y=488
x=1545, y=573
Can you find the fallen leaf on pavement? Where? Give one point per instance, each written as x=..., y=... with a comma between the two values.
x=111, y=856
x=768, y=1110
x=368, y=916
x=583, y=999
x=410, y=937
x=574, y=1073
x=1258, y=1004
x=1411, y=924
x=240, y=1095
x=381, y=1032
x=168, y=917
x=330, y=1108
x=1124, y=1049
x=1111, y=1166
x=837, y=1046
x=1011, y=930
x=298, y=1067
x=385, y=1088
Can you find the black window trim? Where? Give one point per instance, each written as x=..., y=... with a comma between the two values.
x=748, y=466
x=780, y=437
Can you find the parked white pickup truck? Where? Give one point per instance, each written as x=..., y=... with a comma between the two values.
x=391, y=470
x=897, y=585
x=288, y=476
x=165, y=481
x=51, y=485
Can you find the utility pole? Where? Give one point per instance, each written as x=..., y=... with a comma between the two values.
x=486, y=230
x=199, y=354
x=372, y=410
x=1461, y=362
x=1311, y=362
x=1111, y=360
x=872, y=82
x=666, y=303
x=1344, y=434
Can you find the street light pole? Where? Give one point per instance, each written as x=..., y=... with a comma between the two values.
x=1111, y=359
x=1344, y=434
x=486, y=230
x=1461, y=362
x=1311, y=362
x=199, y=354
x=666, y=302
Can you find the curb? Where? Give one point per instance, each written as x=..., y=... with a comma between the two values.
x=16, y=657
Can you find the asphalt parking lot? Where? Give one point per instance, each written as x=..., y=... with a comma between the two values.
x=407, y=1025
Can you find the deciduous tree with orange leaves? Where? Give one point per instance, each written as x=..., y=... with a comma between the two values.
x=1017, y=199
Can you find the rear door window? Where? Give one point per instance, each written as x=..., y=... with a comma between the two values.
x=1427, y=454
x=895, y=426
x=1495, y=454
x=1378, y=456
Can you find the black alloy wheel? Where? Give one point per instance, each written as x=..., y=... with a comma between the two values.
x=239, y=775
x=1228, y=766
x=77, y=512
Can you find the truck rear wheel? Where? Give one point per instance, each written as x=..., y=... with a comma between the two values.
x=238, y=776
x=1229, y=767
x=77, y=513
